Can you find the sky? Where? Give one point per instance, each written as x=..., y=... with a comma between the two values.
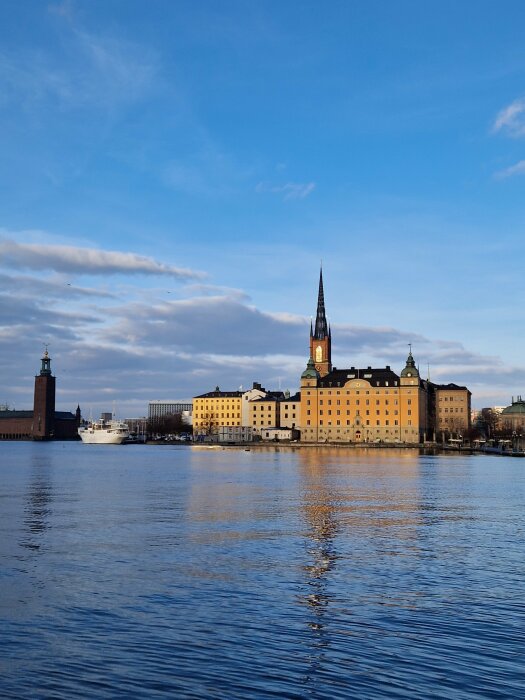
x=174, y=173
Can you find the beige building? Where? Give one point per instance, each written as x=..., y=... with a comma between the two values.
x=513, y=417
x=453, y=410
x=290, y=411
x=254, y=408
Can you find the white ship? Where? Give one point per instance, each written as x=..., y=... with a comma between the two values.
x=104, y=432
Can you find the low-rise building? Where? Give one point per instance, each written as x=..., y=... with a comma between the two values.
x=453, y=410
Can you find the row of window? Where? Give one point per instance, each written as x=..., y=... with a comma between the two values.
x=357, y=402
x=338, y=422
x=322, y=392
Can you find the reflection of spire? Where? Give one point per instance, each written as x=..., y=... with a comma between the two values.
x=319, y=510
x=321, y=326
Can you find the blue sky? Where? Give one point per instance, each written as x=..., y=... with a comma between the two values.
x=173, y=173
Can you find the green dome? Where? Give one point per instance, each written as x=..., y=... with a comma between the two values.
x=516, y=408
x=310, y=372
x=410, y=368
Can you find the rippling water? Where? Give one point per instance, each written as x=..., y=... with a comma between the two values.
x=157, y=571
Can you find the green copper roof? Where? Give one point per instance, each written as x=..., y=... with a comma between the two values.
x=517, y=407
x=410, y=368
x=310, y=372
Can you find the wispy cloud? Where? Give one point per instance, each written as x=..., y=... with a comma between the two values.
x=84, y=70
x=290, y=190
x=90, y=261
x=517, y=169
x=511, y=119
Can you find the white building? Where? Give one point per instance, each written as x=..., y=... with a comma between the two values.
x=158, y=409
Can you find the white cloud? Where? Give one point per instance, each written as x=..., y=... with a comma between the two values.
x=517, y=169
x=511, y=119
x=290, y=190
x=91, y=261
x=85, y=69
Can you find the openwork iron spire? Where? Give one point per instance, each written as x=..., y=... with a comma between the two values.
x=321, y=326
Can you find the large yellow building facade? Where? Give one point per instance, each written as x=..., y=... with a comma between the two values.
x=371, y=404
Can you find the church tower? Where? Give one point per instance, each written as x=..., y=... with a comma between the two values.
x=321, y=337
x=44, y=401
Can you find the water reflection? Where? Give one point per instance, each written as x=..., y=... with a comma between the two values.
x=37, y=510
x=320, y=508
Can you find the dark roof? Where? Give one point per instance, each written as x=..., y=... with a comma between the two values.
x=60, y=415
x=295, y=397
x=16, y=414
x=451, y=387
x=376, y=377
x=219, y=394
x=65, y=415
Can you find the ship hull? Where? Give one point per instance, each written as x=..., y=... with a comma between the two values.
x=101, y=437
x=104, y=433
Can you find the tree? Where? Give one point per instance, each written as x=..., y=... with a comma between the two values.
x=169, y=424
x=489, y=422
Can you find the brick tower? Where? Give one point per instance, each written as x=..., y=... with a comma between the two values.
x=321, y=337
x=44, y=402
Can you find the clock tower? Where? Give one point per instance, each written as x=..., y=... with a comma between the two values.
x=321, y=336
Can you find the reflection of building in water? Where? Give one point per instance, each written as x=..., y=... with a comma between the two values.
x=319, y=508
x=38, y=507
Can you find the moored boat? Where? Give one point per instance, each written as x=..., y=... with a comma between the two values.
x=104, y=432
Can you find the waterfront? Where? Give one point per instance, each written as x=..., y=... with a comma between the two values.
x=143, y=571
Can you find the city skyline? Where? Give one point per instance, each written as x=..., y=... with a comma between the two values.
x=174, y=176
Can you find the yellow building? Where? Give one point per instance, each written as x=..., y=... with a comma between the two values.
x=216, y=409
x=370, y=404
x=363, y=405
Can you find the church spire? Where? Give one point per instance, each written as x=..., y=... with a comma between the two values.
x=321, y=336
x=321, y=326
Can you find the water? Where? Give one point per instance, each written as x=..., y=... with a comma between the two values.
x=158, y=571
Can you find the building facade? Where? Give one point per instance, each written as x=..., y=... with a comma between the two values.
x=372, y=404
x=513, y=417
x=216, y=409
x=453, y=413
x=159, y=409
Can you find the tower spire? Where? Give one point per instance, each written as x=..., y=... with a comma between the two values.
x=321, y=326
x=321, y=336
